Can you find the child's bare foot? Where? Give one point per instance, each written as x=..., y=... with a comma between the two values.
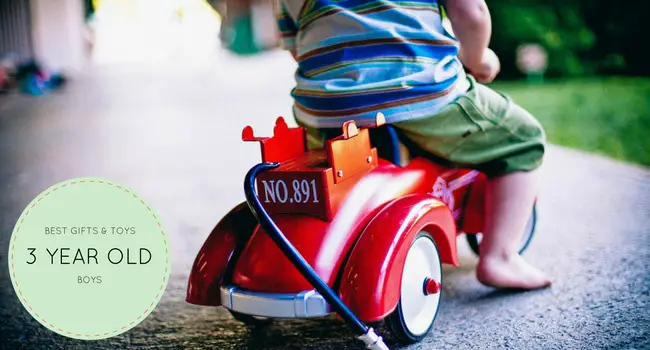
x=512, y=272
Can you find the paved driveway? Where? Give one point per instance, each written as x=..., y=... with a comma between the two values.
x=173, y=133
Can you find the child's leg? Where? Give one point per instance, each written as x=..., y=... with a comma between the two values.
x=485, y=130
x=508, y=202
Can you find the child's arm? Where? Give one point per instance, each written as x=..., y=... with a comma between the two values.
x=472, y=26
x=287, y=28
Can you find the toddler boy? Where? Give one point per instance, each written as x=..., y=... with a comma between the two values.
x=357, y=58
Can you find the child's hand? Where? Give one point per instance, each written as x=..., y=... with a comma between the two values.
x=487, y=69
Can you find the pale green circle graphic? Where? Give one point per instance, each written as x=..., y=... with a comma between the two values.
x=89, y=259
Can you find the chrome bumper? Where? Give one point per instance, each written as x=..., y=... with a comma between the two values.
x=301, y=305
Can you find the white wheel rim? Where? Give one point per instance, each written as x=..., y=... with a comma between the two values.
x=422, y=261
x=528, y=231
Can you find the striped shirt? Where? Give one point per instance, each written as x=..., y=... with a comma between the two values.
x=357, y=58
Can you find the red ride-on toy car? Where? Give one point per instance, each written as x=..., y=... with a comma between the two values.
x=343, y=230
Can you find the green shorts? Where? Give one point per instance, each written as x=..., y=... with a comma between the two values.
x=483, y=130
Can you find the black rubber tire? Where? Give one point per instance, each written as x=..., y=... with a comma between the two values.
x=251, y=321
x=395, y=321
x=474, y=244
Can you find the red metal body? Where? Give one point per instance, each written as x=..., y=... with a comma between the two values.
x=351, y=215
x=210, y=263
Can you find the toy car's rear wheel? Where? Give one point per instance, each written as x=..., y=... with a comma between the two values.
x=250, y=320
x=419, y=291
x=474, y=240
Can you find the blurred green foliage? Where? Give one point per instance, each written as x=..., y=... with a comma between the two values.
x=582, y=37
x=609, y=116
x=585, y=40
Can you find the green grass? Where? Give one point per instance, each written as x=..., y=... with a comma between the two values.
x=610, y=116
